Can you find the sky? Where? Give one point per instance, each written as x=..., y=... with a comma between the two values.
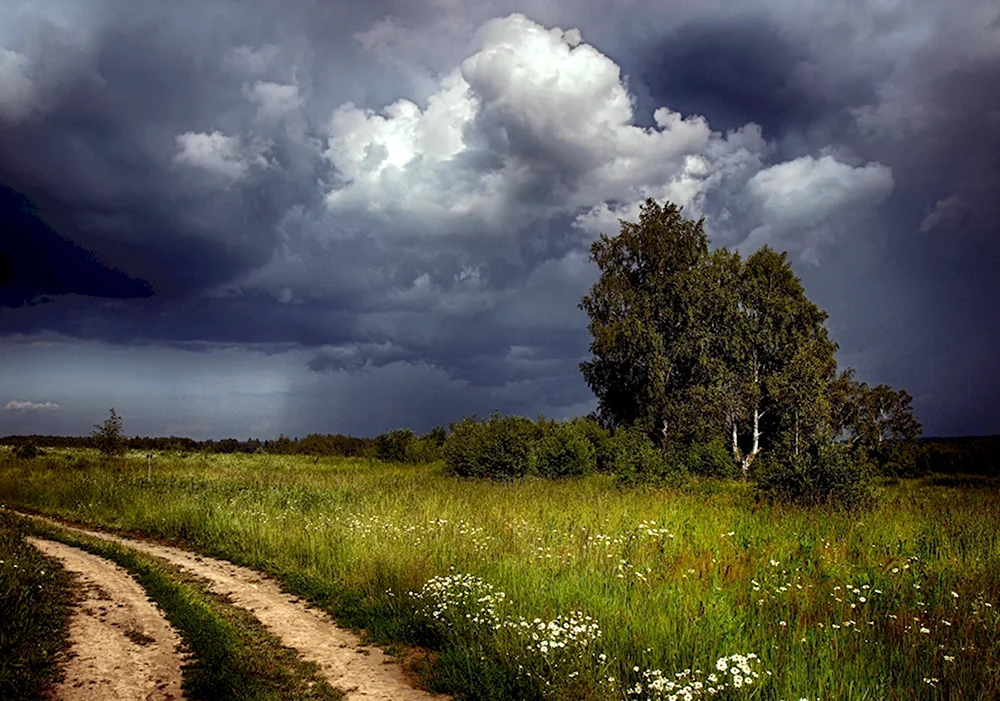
x=251, y=217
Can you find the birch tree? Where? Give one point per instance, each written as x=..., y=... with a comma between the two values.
x=693, y=345
x=800, y=391
x=865, y=418
x=717, y=346
x=782, y=354
x=639, y=318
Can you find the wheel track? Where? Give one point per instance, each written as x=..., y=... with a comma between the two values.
x=363, y=673
x=121, y=646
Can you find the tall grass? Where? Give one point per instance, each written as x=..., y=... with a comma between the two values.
x=35, y=598
x=899, y=602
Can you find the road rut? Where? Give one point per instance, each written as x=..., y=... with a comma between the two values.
x=363, y=673
x=121, y=645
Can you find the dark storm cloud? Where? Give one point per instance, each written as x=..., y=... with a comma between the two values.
x=735, y=70
x=186, y=146
x=97, y=160
x=42, y=262
x=356, y=356
x=254, y=319
x=937, y=119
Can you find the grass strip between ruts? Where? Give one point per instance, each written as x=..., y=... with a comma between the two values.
x=234, y=656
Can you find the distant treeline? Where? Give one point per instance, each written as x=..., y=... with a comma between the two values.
x=973, y=455
x=313, y=444
x=970, y=455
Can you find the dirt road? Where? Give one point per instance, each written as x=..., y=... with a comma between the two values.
x=363, y=673
x=121, y=645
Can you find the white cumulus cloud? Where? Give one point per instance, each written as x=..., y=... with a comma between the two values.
x=799, y=199
x=273, y=100
x=14, y=405
x=534, y=124
x=808, y=190
x=228, y=157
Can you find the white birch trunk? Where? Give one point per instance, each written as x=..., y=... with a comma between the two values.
x=796, y=432
x=756, y=430
x=756, y=444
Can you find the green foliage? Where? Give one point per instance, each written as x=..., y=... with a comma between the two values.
x=715, y=347
x=689, y=344
x=35, y=605
x=639, y=317
x=829, y=475
x=282, y=446
x=108, y=437
x=501, y=448
x=394, y=446
x=423, y=450
x=711, y=459
x=590, y=429
x=27, y=451
x=403, y=446
x=901, y=459
x=635, y=459
x=978, y=455
x=872, y=419
x=785, y=358
x=562, y=451
x=437, y=436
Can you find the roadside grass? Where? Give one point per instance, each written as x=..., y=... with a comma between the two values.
x=35, y=605
x=897, y=602
x=233, y=655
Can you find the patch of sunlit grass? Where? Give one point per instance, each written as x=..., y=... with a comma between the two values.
x=832, y=605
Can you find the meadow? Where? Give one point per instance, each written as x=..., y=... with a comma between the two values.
x=579, y=588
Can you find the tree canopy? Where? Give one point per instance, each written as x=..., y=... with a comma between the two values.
x=108, y=437
x=640, y=321
x=692, y=346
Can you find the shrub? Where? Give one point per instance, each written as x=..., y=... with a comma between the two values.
x=711, y=459
x=436, y=436
x=108, y=438
x=562, y=451
x=424, y=450
x=27, y=451
x=598, y=437
x=900, y=459
x=500, y=448
x=403, y=446
x=636, y=459
x=827, y=475
x=394, y=446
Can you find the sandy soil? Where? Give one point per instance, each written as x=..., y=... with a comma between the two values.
x=362, y=672
x=121, y=645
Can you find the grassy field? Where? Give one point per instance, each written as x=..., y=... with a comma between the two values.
x=35, y=599
x=579, y=589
